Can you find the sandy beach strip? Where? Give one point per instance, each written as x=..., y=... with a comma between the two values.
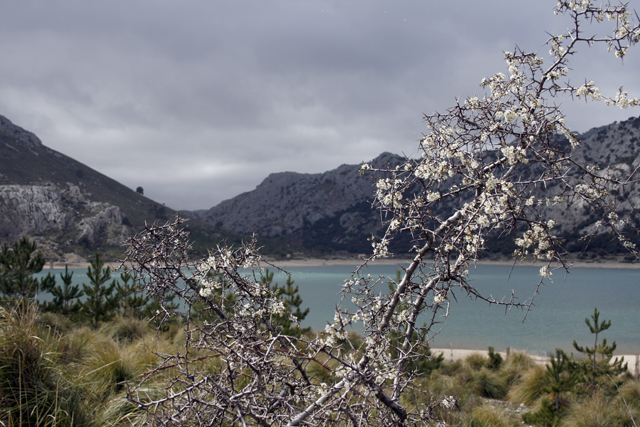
x=453, y=354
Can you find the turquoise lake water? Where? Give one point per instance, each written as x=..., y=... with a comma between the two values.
x=554, y=322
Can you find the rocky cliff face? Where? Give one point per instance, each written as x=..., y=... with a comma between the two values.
x=48, y=210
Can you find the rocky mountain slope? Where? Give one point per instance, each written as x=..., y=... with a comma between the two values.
x=332, y=210
x=66, y=206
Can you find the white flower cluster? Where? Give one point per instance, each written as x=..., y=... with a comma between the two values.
x=388, y=192
x=622, y=100
x=544, y=272
x=537, y=234
x=590, y=192
x=515, y=154
x=207, y=286
x=589, y=90
x=210, y=270
x=449, y=402
x=336, y=330
x=576, y=5
x=496, y=84
x=381, y=248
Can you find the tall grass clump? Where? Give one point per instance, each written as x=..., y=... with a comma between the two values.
x=121, y=411
x=517, y=364
x=35, y=390
x=593, y=411
x=125, y=329
x=488, y=416
x=490, y=384
x=109, y=367
x=528, y=389
x=627, y=403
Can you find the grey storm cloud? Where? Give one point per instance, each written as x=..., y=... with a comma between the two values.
x=199, y=101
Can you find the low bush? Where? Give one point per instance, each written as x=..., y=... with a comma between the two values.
x=488, y=383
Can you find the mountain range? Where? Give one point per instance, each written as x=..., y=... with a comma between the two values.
x=67, y=207
x=331, y=211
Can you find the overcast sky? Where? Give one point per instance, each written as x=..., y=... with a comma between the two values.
x=198, y=101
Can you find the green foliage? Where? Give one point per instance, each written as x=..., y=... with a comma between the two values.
x=52, y=369
x=292, y=302
x=100, y=304
x=495, y=360
x=130, y=300
x=18, y=264
x=289, y=295
x=561, y=376
x=64, y=295
x=546, y=416
x=594, y=368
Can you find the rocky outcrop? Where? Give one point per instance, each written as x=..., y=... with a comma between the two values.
x=106, y=221
x=37, y=210
x=29, y=210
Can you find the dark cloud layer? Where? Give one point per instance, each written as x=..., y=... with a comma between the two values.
x=198, y=101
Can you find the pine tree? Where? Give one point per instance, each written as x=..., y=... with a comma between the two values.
x=130, y=299
x=289, y=295
x=593, y=368
x=65, y=294
x=560, y=376
x=18, y=264
x=292, y=302
x=100, y=304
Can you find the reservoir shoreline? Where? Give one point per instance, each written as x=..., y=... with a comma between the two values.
x=78, y=263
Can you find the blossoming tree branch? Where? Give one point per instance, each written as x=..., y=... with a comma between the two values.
x=486, y=157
